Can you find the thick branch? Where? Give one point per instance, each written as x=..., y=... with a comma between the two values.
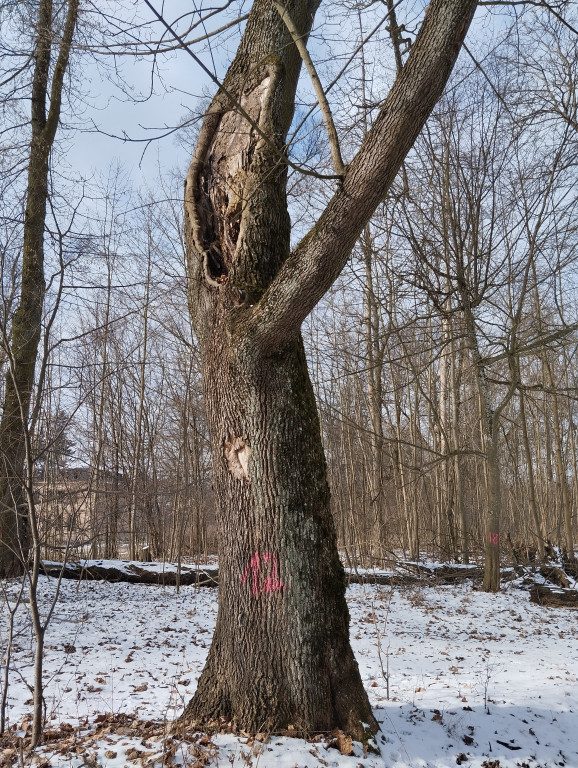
x=41, y=67
x=317, y=261
x=59, y=72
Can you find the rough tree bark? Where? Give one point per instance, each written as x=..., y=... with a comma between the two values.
x=46, y=100
x=280, y=656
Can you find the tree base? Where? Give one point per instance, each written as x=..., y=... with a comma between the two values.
x=241, y=698
x=365, y=735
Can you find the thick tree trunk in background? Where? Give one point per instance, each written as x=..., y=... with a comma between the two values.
x=26, y=323
x=489, y=422
x=280, y=656
x=490, y=425
x=463, y=512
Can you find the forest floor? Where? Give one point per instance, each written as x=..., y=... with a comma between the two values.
x=455, y=676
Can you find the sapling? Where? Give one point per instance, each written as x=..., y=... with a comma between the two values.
x=378, y=633
x=12, y=608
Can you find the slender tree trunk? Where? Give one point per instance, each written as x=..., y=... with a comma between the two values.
x=489, y=425
x=573, y=490
x=413, y=474
x=374, y=342
x=27, y=321
x=463, y=511
x=136, y=475
x=561, y=477
x=494, y=507
x=564, y=501
x=374, y=357
x=539, y=524
x=402, y=484
x=446, y=417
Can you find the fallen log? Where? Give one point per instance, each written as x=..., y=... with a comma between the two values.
x=554, y=597
x=377, y=577
x=167, y=574
x=114, y=571
x=446, y=574
x=555, y=575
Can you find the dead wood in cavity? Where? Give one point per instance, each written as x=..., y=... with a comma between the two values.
x=194, y=198
x=221, y=176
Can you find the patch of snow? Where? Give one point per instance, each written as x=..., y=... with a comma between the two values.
x=475, y=680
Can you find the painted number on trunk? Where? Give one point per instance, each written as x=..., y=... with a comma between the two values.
x=269, y=581
x=494, y=538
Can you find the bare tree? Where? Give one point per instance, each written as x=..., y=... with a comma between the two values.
x=479, y=230
x=46, y=99
x=282, y=603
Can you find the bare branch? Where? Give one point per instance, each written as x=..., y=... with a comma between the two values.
x=321, y=98
x=120, y=49
x=236, y=104
x=536, y=4
x=317, y=261
x=541, y=341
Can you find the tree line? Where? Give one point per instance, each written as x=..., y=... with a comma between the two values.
x=458, y=301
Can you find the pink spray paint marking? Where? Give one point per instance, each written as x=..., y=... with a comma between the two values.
x=271, y=582
x=254, y=564
x=494, y=537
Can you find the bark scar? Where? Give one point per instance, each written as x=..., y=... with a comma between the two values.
x=237, y=454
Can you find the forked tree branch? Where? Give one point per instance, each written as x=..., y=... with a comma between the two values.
x=235, y=103
x=317, y=261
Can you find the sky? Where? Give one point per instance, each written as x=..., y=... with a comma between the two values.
x=136, y=127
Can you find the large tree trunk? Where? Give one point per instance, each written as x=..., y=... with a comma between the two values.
x=26, y=323
x=280, y=656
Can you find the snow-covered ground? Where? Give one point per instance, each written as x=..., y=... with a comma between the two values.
x=474, y=680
